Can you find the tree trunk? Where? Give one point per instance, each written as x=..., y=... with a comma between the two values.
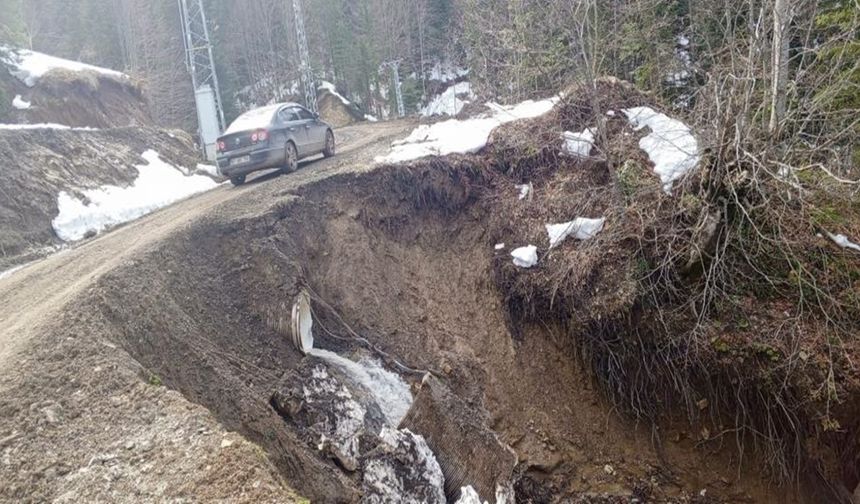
x=781, y=21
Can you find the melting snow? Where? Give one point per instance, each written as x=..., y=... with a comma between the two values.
x=331, y=88
x=8, y=272
x=210, y=169
x=525, y=257
x=158, y=184
x=446, y=72
x=451, y=101
x=578, y=144
x=524, y=189
x=581, y=228
x=499, y=246
x=421, y=482
x=462, y=136
x=30, y=66
x=671, y=145
x=19, y=103
x=43, y=126
x=843, y=241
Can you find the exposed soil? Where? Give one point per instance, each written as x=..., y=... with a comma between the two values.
x=198, y=297
x=79, y=418
x=80, y=99
x=38, y=164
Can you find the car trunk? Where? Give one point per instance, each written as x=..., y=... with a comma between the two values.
x=235, y=141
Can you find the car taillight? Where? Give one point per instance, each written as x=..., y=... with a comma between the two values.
x=222, y=146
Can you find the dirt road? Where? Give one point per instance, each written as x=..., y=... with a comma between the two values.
x=76, y=421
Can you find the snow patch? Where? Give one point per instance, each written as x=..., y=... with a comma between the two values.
x=581, y=228
x=10, y=271
x=158, y=184
x=462, y=136
x=30, y=66
x=450, y=102
x=578, y=144
x=499, y=246
x=43, y=126
x=19, y=103
x=331, y=88
x=370, y=118
x=671, y=145
x=843, y=241
x=525, y=257
x=446, y=72
x=525, y=190
x=210, y=169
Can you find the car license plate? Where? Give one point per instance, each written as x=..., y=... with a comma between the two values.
x=240, y=160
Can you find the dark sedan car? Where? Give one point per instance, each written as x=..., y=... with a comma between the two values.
x=275, y=136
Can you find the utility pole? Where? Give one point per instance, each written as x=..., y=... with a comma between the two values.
x=307, y=74
x=201, y=66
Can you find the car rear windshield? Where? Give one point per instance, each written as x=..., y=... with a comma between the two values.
x=253, y=119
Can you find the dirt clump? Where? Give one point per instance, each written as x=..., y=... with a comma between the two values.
x=335, y=112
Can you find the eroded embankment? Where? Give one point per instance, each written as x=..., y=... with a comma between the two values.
x=405, y=256
x=412, y=268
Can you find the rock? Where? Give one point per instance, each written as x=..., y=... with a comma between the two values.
x=226, y=443
x=608, y=469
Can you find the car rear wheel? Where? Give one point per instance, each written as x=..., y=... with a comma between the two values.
x=291, y=158
x=329, y=144
x=237, y=180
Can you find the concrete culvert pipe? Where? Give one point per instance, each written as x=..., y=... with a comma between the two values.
x=302, y=323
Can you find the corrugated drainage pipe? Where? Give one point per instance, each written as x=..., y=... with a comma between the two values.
x=302, y=323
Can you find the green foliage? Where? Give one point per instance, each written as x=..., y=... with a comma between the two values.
x=154, y=380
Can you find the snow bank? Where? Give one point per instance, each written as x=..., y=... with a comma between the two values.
x=525, y=257
x=581, y=228
x=578, y=144
x=843, y=241
x=158, y=184
x=210, y=169
x=253, y=119
x=43, y=126
x=671, y=145
x=19, y=103
x=328, y=86
x=30, y=66
x=462, y=136
x=450, y=102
